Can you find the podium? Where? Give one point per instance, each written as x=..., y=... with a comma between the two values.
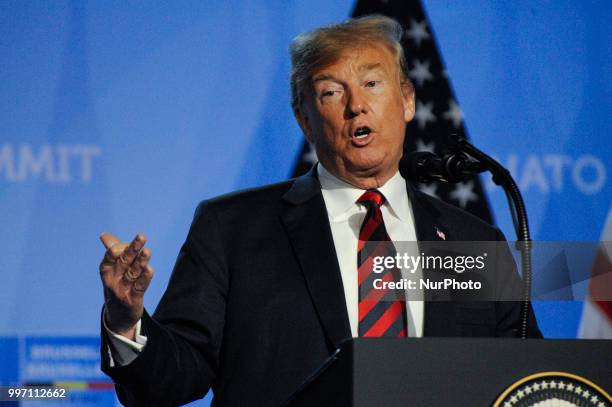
x=446, y=371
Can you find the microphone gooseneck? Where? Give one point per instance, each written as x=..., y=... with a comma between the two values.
x=465, y=160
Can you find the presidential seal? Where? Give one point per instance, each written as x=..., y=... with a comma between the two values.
x=554, y=389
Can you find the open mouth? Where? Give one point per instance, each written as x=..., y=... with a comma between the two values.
x=362, y=136
x=362, y=132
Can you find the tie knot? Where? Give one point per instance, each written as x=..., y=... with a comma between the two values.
x=372, y=197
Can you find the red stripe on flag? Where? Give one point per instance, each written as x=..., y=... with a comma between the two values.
x=606, y=308
x=385, y=321
x=600, y=286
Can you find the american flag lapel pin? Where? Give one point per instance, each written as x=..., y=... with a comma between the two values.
x=441, y=235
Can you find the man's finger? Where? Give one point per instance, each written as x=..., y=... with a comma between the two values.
x=113, y=246
x=143, y=281
x=132, y=273
x=129, y=255
x=113, y=252
x=108, y=240
x=141, y=262
x=144, y=257
x=105, y=268
x=139, y=274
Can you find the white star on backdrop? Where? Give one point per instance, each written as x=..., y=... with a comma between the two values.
x=463, y=193
x=420, y=73
x=453, y=113
x=429, y=189
x=417, y=32
x=311, y=155
x=421, y=146
x=424, y=114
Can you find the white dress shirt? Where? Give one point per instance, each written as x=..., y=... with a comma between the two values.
x=125, y=350
x=345, y=218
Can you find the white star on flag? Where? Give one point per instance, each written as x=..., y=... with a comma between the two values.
x=424, y=114
x=453, y=113
x=420, y=73
x=429, y=189
x=311, y=155
x=417, y=32
x=421, y=146
x=463, y=193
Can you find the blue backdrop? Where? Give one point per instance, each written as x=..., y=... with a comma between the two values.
x=122, y=116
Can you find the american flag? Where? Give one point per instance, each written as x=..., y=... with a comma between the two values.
x=596, y=321
x=437, y=112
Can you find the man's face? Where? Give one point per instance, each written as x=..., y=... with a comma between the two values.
x=355, y=114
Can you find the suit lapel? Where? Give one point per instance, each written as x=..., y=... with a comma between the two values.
x=307, y=226
x=439, y=318
x=425, y=216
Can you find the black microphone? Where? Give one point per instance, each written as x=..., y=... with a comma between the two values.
x=425, y=167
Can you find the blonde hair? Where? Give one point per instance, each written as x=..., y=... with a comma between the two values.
x=323, y=46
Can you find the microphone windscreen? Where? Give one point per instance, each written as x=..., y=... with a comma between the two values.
x=417, y=166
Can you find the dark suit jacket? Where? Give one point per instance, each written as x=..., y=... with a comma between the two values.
x=255, y=302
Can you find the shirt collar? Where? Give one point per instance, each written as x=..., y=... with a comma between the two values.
x=341, y=196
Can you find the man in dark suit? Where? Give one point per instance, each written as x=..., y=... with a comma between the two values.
x=266, y=284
